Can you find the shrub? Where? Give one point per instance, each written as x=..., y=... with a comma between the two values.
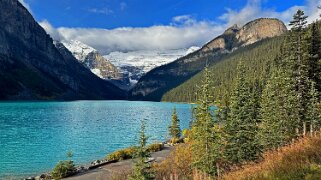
x=155, y=147
x=130, y=152
x=179, y=163
x=63, y=169
x=123, y=154
x=186, y=135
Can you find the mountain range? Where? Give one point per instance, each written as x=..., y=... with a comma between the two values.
x=33, y=66
x=160, y=80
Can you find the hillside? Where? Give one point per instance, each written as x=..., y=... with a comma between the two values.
x=255, y=57
x=31, y=67
x=157, y=82
x=300, y=160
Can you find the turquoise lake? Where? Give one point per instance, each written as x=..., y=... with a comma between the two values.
x=34, y=136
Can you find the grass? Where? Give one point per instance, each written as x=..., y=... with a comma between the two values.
x=300, y=160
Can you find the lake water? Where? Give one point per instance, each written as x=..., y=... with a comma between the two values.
x=34, y=136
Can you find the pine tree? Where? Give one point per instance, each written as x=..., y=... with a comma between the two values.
x=206, y=136
x=299, y=21
x=314, y=111
x=141, y=170
x=299, y=61
x=174, y=128
x=314, y=54
x=279, y=112
x=241, y=126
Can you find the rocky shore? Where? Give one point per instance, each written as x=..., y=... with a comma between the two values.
x=106, y=168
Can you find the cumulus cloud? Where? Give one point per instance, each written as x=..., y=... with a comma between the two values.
x=312, y=9
x=184, y=31
x=53, y=32
x=254, y=10
x=26, y=5
x=154, y=37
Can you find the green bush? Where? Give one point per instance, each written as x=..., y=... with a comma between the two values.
x=130, y=152
x=63, y=169
x=122, y=154
x=155, y=147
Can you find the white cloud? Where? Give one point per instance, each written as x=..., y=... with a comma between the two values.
x=149, y=38
x=54, y=33
x=254, y=10
x=183, y=32
x=26, y=5
x=312, y=9
x=105, y=11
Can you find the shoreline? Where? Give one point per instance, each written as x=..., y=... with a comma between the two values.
x=107, y=168
x=119, y=167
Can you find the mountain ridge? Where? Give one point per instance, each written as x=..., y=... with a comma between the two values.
x=32, y=68
x=160, y=80
x=93, y=60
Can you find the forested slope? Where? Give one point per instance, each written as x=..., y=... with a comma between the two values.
x=159, y=81
x=256, y=59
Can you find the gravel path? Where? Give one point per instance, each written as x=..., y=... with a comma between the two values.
x=108, y=171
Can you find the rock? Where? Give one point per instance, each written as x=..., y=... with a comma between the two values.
x=30, y=178
x=150, y=159
x=97, y=162
x=92, y=59
x=250, y=33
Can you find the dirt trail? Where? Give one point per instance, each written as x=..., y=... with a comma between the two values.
x=106, y=172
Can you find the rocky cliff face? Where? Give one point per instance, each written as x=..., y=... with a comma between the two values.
x=254, y=31
x=31, y=67
x=101, y=67
x=156, y=83
x=93, y=60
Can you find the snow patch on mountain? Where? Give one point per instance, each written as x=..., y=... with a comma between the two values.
x=146, y=60
x=78, y=49
x=129, y=66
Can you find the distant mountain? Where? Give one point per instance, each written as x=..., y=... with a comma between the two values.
x=160, y=80
x=137, y=63
x=93, y=60
x=31, y=67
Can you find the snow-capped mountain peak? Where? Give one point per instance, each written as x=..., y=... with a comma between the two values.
x=138, y=63
x=192, y=49
x=79, y=49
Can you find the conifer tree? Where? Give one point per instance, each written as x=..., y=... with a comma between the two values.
x=241, y=126
x=314, y=54
x=141, y=169
x=299, y=61
x=174, y=128
x=279, y=117
x=314, y=111
x=206, y=136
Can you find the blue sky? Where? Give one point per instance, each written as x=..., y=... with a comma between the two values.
x=131, y=25
x=137, y=13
